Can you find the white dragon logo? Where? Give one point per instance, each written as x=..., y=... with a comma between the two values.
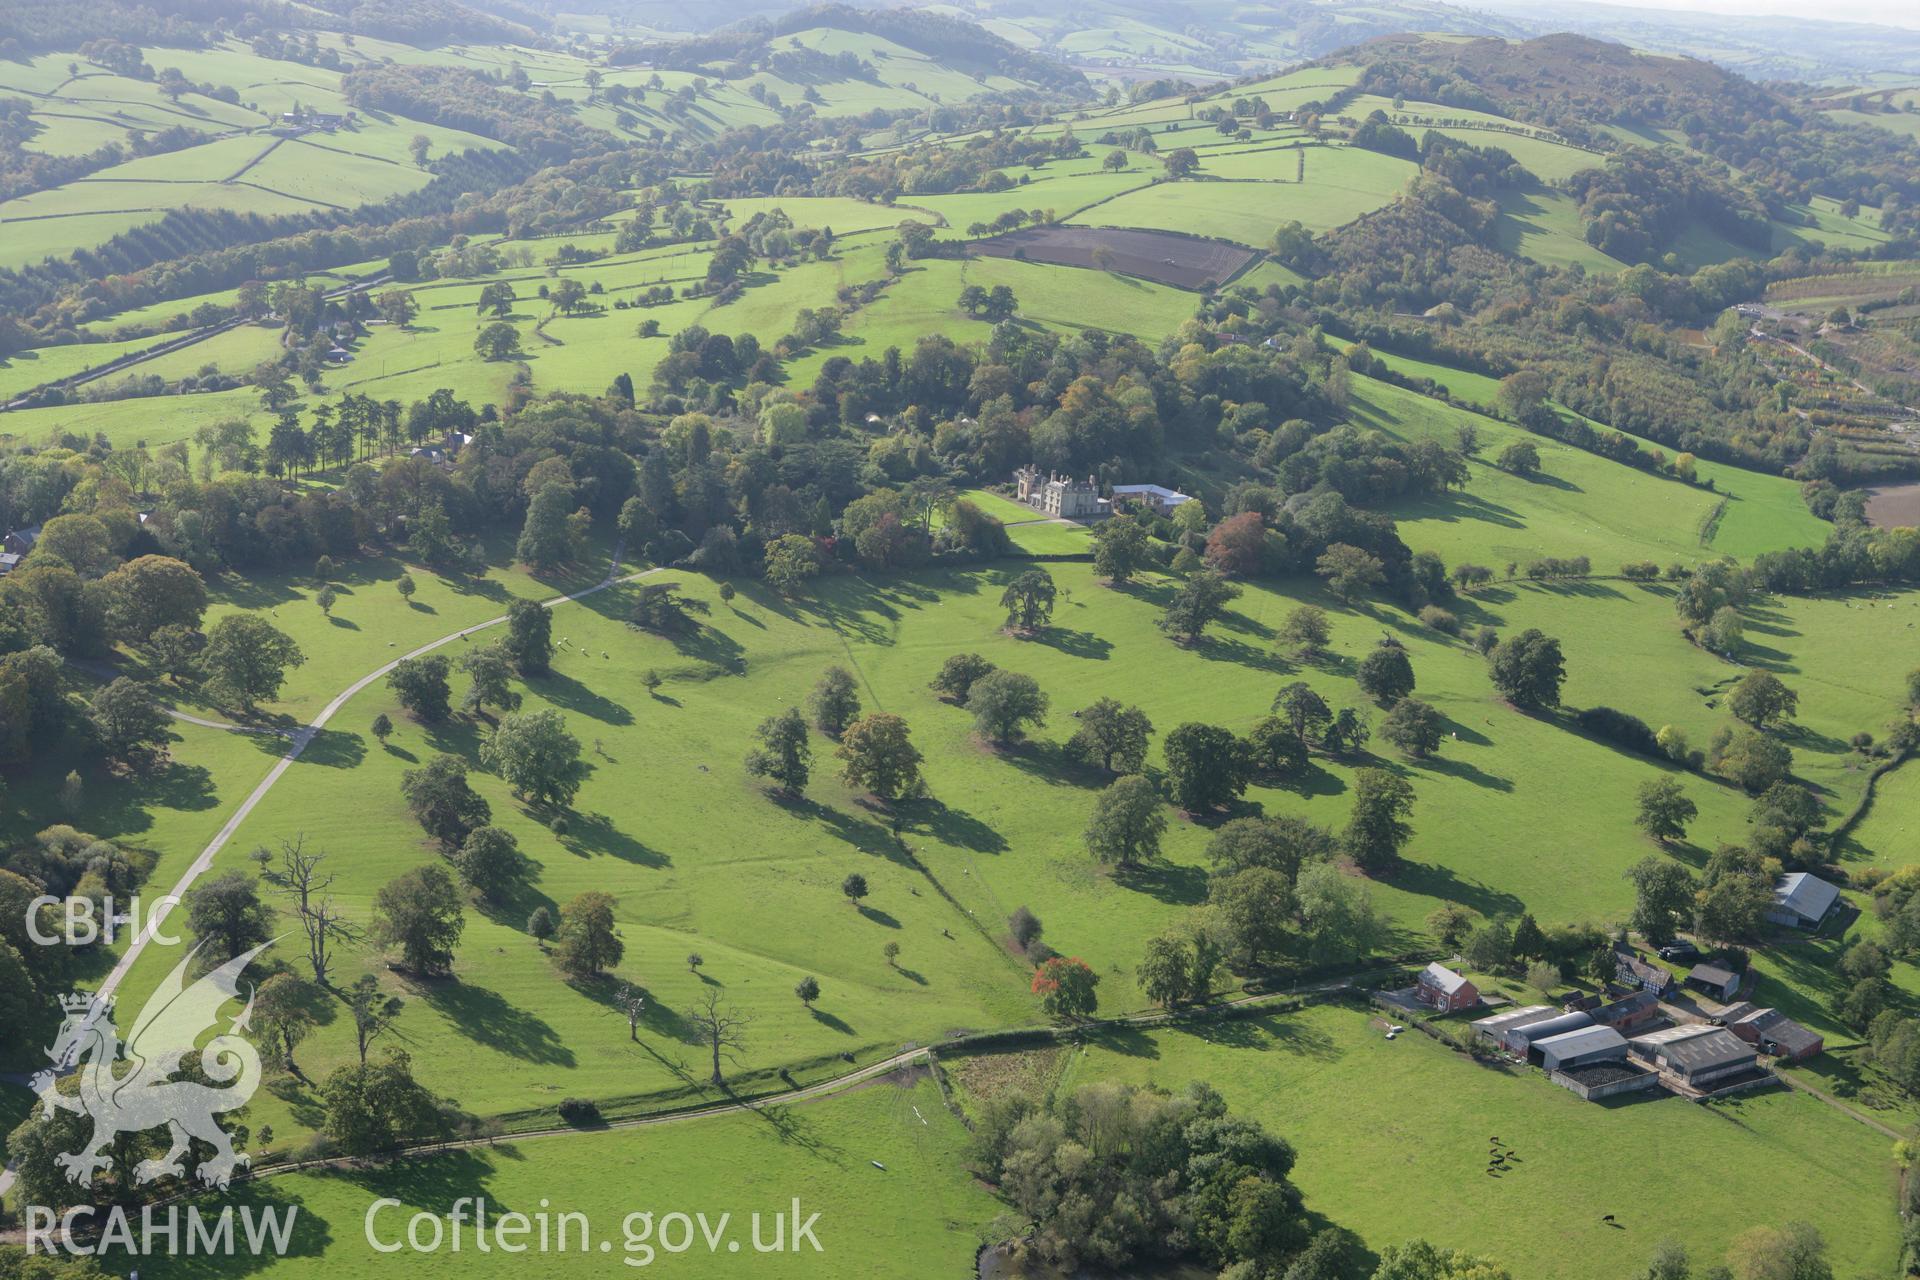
x=146, y=1097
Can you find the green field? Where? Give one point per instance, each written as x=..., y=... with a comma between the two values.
x=1891, y=830
x=665, y=832
x=1341, y=184
x=1762, y=512
x=1546, y=227
x=921, y=1204
x=1380, y=1125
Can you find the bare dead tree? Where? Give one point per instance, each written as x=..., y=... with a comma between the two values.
x=373, y=1012
x=723, y=1028
x=300, y=879
x=631, y=1003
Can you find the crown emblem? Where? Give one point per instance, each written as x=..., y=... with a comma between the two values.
x=81, y=1002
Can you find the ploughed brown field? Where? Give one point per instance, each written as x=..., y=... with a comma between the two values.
x=1185, y=262
x=1894, y=506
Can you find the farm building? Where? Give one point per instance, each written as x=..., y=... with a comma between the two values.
x=1445, y=990
x=1695, y=1055
x=1634, y=973
x=1495, y=1028
x=1801, y=900
x=1628, y=1012
x=1648, y=1044
x=1159, y=498
x=1520, y=1040
x=9, y=561
x=1700, y=1060
x=1774, y=1032
x=1715, y=980
x=1582, y=1048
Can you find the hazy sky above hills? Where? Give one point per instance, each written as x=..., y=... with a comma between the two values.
x=1895, y=13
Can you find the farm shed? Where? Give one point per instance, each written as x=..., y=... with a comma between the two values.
x=1801, y=900
x=1715, y=980
x=1496, y=1027
x=1581, y=1048
x=1443, y=989
x=1700, y=1060
x=1649, y=1044
x=1774, y=1032
x=1520, y=1040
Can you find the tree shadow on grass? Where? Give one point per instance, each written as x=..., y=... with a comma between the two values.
x=440, y=1179
x=826, y=1019
x=568, y=693
x=309, y=1234
x=1465, y=732
x=1129, y=1042
x=868, y=837
x=796, y=1129
x=332, y=749
x=1434, y=881
x=1587, y=588
x=595, y=833
x=1231, y=1032
x=1075, y=644
x=184, y=787
x=1217, y=648
x=1316, y=780
x=1777, y=661
x=1168, y=882
x=876, y=915
x=486, y=1017
x=1290, y=1035
x=299, y=1099
x=1465, y=772
x=950, y=826
x=1053, y=763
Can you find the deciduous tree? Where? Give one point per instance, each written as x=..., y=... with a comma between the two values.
x=588, y=942
x=420, y=913
x=1207, y=766
x=1128, y=820
x=535, y=755
x=878, y=755
x=1377, y=827
x=1005, y=704
x=784, y=754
